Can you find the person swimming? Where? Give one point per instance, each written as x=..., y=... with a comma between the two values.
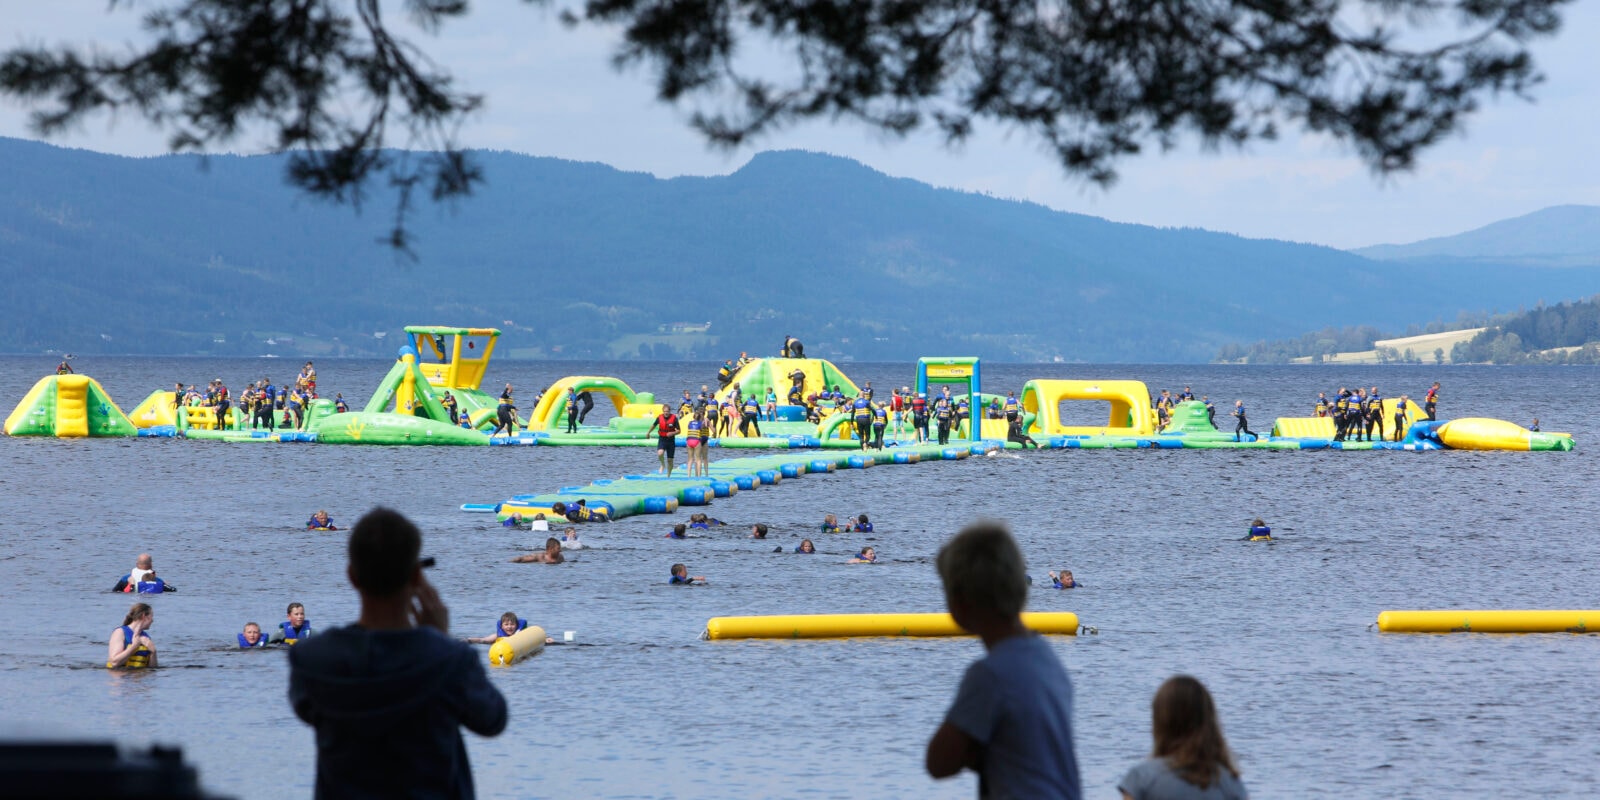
x=1063, y=580
x=862, y=525
x=320, y=521
x=830, y=524
x=866, y=556
x=681, y=577
x=1259, y=532
x=551, y=554
x=130, y=646
x=679, y=531
x=296, y=627
x=251, y=637
x=569, y=540
x=805, y=547
x=758, y=531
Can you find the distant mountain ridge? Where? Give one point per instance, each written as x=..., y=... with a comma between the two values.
x=159, y=255
x=1559, y=236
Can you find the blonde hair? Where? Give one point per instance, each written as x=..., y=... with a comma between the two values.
x=1187, y=733
x=983, y=567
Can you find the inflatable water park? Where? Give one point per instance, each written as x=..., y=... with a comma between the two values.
x=432, y=395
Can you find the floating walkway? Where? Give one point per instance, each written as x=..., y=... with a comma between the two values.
x=658, y=494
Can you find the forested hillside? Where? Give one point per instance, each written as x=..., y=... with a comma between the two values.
x=218, y=256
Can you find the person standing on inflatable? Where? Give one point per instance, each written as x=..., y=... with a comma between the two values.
x=1244, y=424
x=1430, y=402
x=666, y=427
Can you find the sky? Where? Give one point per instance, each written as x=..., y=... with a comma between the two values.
x=552, y=91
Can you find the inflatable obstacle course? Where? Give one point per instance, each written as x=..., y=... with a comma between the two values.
x=1507, y=621
x=842, y=626
x=68, y=407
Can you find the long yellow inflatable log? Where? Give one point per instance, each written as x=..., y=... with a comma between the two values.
x=1489, y=621
x=508, y=650
x=840, y=626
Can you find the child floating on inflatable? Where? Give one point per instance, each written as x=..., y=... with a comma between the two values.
x=509, y=624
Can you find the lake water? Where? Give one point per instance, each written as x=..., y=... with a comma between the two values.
x=1314, y=702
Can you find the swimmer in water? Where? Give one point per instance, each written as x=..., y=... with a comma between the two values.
x=681, y=576
x=862, y=525
x=1063, y=580
x=251, y=637
x=758, y=531
x=295, y=627
x=509, y=624
x=866, y=556
x=830, y=524
x=1259, y=532
x=679, y=531
x=513, y=521
x=551, y=554
x=569, y=540
x=805, y=547
x=130, y=646
x=320, y=521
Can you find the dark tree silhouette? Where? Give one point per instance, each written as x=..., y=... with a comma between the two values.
x=1096, y=80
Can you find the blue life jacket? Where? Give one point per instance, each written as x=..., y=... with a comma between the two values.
x=700, y=525
x=244, y=644
x=156, y=586
x=1260, y=530
x=522, y=625
x=679, y=579
x=802, y=552
x=291, y=635
x=751, y=405
x=1239, y=412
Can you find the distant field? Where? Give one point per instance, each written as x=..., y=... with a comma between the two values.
x=1422, y=346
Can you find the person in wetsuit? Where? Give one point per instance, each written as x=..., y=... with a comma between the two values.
x=1244, y=425
x=1430, y=401
x=792, y=348
x=572, y=410
x=586, y=403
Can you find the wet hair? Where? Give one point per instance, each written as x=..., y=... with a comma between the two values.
x=384, y=546
x=677, y=568
x=293, y=606
x=862, y=519
x=509, y=616
x=1186, y=732
x=679, y=529
x=552, y=551
x=983, y=568
x=761, y=530
x=248, y=626
x=138, y=610
x=1258, y=523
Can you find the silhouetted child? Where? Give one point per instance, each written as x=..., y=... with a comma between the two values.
x=1011, y=720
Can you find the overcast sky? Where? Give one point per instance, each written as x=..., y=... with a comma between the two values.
x=552, y=92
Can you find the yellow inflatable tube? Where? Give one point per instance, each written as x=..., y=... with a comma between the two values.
x=508, y=650
x=1489, y=621
x=841, y=626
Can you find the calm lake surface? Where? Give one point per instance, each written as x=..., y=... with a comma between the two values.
x=1313, y=701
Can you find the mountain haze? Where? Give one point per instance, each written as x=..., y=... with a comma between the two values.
x=178, y=254
x=1559, y=236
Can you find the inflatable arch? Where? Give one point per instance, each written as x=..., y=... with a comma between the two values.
x=68, y=406
x=551, y=413
x=1130, y=407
